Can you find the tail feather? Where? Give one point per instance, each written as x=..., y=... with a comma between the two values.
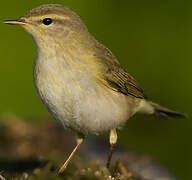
x=160, y=111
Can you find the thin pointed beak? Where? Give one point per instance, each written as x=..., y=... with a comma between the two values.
x=16, y=22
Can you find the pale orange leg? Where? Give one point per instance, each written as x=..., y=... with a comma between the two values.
x=112, y=141
x=79, y=140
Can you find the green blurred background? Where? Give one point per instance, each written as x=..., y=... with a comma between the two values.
x=152, y=40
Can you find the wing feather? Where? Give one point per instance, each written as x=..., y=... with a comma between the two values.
x=114, y=76
x=122, y=82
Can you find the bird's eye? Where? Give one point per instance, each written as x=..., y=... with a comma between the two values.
x=47, y=21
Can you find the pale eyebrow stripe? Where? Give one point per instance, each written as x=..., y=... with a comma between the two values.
x=54, y=16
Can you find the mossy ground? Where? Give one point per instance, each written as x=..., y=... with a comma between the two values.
x=36, y=151
x=78, y=170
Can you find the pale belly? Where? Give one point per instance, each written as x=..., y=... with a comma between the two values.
x=82, y=104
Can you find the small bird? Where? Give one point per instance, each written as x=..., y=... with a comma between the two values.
x=79, y=80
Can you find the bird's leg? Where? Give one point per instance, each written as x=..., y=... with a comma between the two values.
x=79, y=140
x=112, y=141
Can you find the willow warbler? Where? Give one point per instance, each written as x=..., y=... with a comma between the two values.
x=79, y=80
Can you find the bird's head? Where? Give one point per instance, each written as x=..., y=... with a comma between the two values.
x=51, y=23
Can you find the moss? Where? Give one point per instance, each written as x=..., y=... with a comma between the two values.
x=78, y=170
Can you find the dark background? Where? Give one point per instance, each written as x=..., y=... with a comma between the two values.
x=153, y=42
